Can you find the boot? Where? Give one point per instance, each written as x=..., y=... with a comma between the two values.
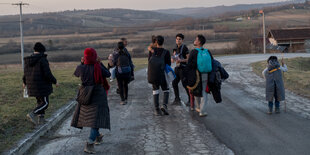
x=89, y=148
x=165, y=103
x=99, y=139
x=157, y=111
x=32, y=118
x=41, y=120
x=269, y=111
x=177, y=101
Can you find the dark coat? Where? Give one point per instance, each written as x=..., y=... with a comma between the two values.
x=215, y=78
x=97, y=113
x=38, y=76
x=191, y=66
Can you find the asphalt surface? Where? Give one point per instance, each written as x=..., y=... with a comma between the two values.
x=135, y=129
x=241, y=121
x=238, y=125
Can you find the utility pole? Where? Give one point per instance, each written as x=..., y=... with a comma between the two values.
x=264, y=31
x=21, y=4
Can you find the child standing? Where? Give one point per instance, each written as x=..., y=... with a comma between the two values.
x=274, y=83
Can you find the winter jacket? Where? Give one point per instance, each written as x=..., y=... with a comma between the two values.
x=115, y=59
x=97, y=113
x=274, y=81
x=191, y=69
x=215, y=78
x=38, y=76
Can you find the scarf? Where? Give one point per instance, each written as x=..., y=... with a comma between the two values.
x=90, y=58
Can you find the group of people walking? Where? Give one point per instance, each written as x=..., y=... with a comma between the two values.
x=197, y=70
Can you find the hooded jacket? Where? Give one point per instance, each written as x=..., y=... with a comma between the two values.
x=38, y=76
x=274, y=82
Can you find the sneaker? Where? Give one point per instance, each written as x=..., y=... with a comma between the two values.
x=41, y=120
x=32, y=118
x=164, y=109
x=277, y=110
x=198, y=110
x=177, y=101
x=89, y=148
x=192, y=108
x=123, y=103
x=157, y=112
x=269, y=112
x=98, y=139
x=203, y=114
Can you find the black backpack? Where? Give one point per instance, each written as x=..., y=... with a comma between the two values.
x=156, y=67
x=123, y=63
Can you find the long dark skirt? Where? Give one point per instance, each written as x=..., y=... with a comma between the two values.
x=94, y=115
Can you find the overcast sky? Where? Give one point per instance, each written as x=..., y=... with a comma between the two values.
x=60, y=5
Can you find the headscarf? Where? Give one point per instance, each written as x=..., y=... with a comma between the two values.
x=90, y=57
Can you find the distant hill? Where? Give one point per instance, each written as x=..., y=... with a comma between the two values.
x=205, y=12
x=82, y=19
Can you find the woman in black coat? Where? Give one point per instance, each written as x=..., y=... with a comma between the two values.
x=95, y=114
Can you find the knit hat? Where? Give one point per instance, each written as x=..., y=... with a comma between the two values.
x=39, y=47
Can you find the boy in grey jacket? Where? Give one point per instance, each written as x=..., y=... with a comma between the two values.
x=274, y=83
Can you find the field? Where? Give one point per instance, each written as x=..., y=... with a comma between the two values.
x=13, y=107
x=297, y=79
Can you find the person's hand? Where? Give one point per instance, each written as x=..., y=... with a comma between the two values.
x=98, y=59
x=178, y=61
x=82, y=60
x=282, y=61
x=24, y=86
x=57, y=84
x=152, y=51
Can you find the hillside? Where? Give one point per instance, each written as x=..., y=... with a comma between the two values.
x=205, y=12
x=72, y=21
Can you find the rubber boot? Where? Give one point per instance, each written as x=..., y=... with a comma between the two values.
x=164, y=108
x=157, y=111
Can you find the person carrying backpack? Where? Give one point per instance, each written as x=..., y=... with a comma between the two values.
x=200, y=60
x=39, y=79
x=274, y=83
x=181, y=58
x=114, y=56
x=157, y=60
x=123, y=73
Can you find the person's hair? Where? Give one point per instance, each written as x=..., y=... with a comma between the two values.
x=160, y=40
x=153, y=39
x=272, y=58
x=120, y=46
x=39, y=47
x=123, y=39
x=201, y=39
x=180, y=35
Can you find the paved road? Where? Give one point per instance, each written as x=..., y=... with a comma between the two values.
x=239, y=125
x=135, y=130
x=241, y=122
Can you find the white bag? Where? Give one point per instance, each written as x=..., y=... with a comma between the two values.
x=112, y=71
x=26, y=92
x=169, y=77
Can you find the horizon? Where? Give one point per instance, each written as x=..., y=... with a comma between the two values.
x=37, y=7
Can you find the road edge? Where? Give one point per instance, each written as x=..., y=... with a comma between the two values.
x=29, y=139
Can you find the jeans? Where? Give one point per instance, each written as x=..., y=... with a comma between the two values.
x=277, y=104
x=94, y=133
x=201, y=102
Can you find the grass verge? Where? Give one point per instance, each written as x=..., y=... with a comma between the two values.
x=297, y=79
x=13, y=107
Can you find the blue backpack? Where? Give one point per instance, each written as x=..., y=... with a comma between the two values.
x=204, y=62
